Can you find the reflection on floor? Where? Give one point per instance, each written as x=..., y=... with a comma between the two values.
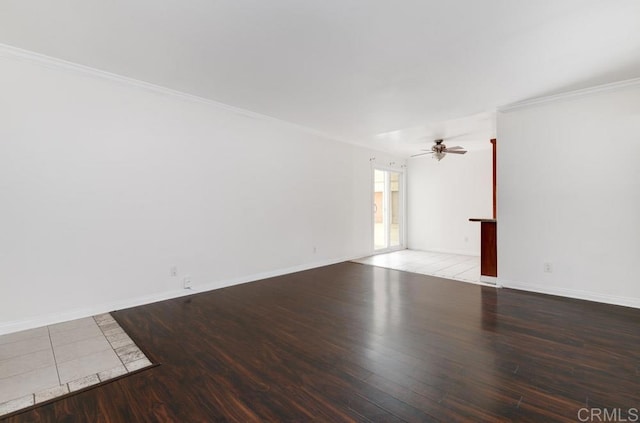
x=40, y=364
x=449, y=266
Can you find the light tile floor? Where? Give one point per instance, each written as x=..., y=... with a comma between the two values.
x=450, y=266
x=40, y=364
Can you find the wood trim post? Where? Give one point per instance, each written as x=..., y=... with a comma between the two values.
x=495, y=210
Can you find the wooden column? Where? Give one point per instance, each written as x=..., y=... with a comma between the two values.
x=488, y=249
x=495, y=209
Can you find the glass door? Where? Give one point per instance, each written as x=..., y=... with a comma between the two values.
x=387, y=210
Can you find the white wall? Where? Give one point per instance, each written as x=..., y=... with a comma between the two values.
x=443, y=195
x=105, y=184
x=569, y=195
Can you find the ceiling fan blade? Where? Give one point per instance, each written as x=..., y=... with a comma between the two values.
x=422, y=154
x=455, y=151
x=457, y=147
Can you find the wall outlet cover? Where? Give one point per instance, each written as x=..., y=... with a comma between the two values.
x=186, y=282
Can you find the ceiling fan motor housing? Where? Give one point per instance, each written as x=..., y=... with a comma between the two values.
x=439, y=150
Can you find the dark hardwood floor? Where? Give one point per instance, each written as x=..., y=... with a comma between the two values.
x=352, y=342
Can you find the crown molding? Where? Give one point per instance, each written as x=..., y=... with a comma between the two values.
x=15, y=53
x=613, y=86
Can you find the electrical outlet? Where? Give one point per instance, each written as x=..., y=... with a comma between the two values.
x=315, y=250
x=173, y=271
x=548, y=268
x=186, y=282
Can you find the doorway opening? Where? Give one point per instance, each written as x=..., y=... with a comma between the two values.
x=388, y=210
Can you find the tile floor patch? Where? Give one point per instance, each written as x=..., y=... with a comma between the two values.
x=83, y=382
x=74, y=335
x=86, y=351
x=107, y=326
x=88, y=364
x=27, y=383
x=450, y=266
x=50, y=393
x=129, y=353
x=113, y=331
x=103, y=318
x=116, y=337
x=112, y=373
x=121, y=342
x=25, y=334
x=71, y=325
x=24, y=346
x=26, y=363
x=75, y=350
x=16, y=404
x=138, y=364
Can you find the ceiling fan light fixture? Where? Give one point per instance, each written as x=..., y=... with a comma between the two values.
x=438, y=155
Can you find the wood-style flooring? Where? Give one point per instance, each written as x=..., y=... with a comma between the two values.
x=352, y=342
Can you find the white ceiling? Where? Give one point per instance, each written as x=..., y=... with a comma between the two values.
x=378, y=72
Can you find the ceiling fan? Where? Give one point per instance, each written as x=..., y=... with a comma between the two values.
x=439, y=150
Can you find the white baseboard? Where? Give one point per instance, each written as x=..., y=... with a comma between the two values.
x=210, y=286
x=53, y=318
x=492, y=280
x=572, y=293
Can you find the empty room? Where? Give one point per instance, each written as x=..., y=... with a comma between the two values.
x=332, y=211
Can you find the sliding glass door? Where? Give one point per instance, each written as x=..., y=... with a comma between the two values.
x=387, y=210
